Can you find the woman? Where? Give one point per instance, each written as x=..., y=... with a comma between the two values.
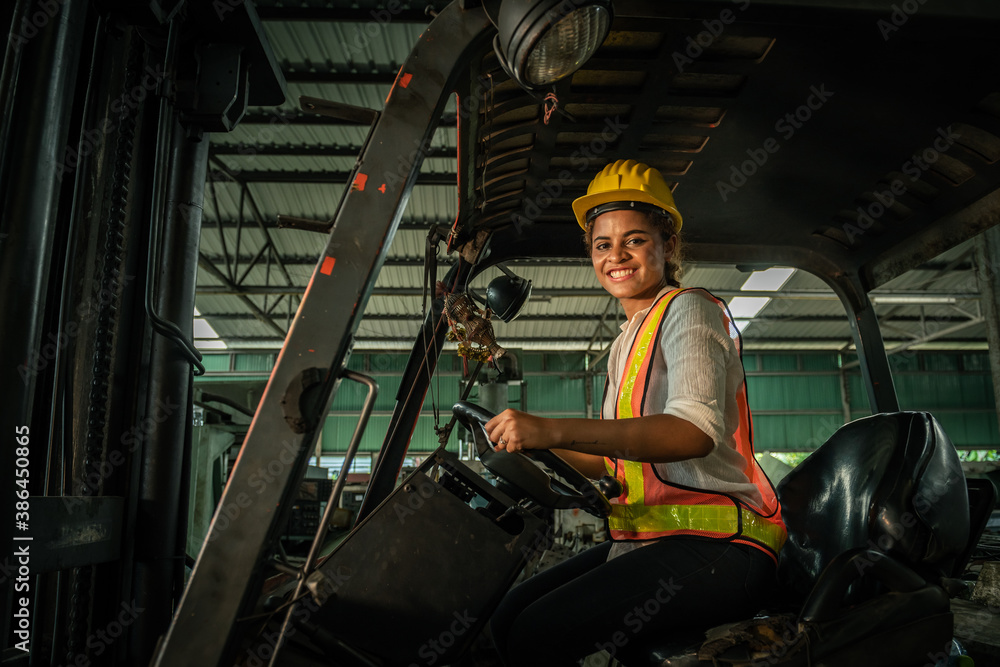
x=696, y=531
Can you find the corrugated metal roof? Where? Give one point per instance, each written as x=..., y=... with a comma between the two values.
x=373, y=50
x=308, y=46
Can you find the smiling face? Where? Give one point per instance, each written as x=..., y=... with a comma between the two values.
x=629, y=254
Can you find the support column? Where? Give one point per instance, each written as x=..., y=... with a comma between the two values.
x=988, y=275
x=38, y=81
x=872, y=358
x=161, y=526
x=36, y=100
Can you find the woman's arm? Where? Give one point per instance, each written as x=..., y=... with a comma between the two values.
x=651, y=439
x=591, y=465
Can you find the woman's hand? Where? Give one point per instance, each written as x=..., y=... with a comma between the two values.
x=514, y=431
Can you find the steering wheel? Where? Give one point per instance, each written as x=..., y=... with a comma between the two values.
x=517, y=469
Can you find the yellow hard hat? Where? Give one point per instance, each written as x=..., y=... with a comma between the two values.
x=626, y=182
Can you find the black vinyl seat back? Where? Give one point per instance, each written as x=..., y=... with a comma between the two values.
x=890, y=482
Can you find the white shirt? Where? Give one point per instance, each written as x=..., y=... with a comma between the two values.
x=696, y=375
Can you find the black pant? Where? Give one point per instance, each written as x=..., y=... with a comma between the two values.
x=669, y=591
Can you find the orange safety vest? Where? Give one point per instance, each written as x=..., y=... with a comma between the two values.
x=651, y=507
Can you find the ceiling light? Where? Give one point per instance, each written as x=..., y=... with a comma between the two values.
x=745, y=307
x=542, y=41
x=770, y=280
x=914, y=300
x=211, y=344
x=742, y=325
x=205, y=337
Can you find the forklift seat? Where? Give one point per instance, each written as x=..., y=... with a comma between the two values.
x=876, y=517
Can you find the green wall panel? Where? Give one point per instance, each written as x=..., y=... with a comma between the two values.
x=941, y=362
x=977, y=391
x=819, y=362
x=445, y=393
x=551, y=393
x=793, y=392
x=601, y=366
x=976, y=429
x=425, y=439
x=565, y=361
x=212, y=379
x=514, y=395
x=598, y=382
x=339, y=428
x=793, y=432
x=532, y=363
x=779, y=362
x=358, y=363
x=929, y=391
x=857, y=394
x=917, y=391
x=351, y=395
x=955, y=386
x=254, y=362
x=215, y=362
x=904, y=362
x=384, y=362
x=976, y=361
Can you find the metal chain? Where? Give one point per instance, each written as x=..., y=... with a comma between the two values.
x=110, y=282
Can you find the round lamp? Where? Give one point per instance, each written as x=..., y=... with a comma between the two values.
x=542, y=42
x=507, y=294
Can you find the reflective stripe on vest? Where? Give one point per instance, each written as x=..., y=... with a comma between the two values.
x=650, y=508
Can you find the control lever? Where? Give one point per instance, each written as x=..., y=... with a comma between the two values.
x=610, y=487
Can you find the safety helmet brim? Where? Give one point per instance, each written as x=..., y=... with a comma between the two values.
x=585, y=203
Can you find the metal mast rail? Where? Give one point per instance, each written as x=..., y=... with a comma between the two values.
x=226, y=577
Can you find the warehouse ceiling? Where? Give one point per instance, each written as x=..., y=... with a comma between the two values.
x=859, y=125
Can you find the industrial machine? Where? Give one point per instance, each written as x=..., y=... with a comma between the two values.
x=99, y=253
